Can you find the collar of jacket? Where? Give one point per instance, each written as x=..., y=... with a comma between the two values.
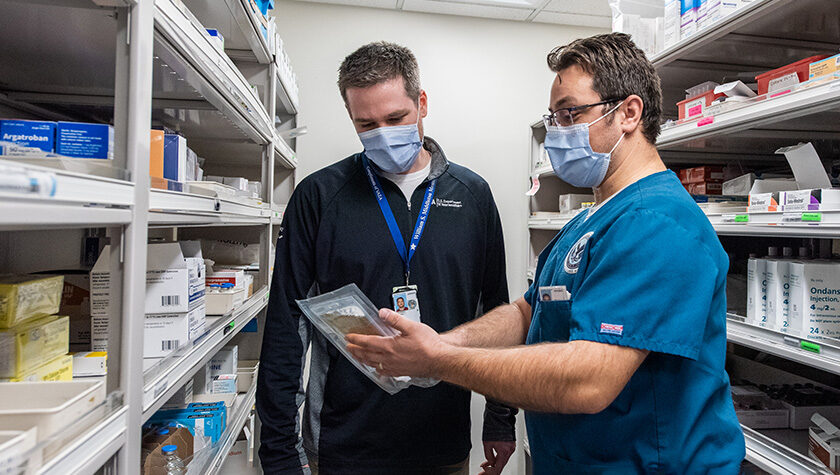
x=439, y=163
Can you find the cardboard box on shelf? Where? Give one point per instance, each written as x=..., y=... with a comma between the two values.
x=27, y=297
x=75, y=303
x=174, y=278
x=156, y=154
x=824, y=442
x=29, y=133
x=757, y=411
x=224, y=384
x=164, y=333
x=764, y=202
x=811, y=200
x=157, y=437
x=90, y=363
x=705, y=188
x=225, y=361
x=59, y=368
x=824, y=67
x=175, y=158
x=705, y=174
x=83, y=140
x=31, y=344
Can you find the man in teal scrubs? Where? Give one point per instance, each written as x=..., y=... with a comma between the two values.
x=621, y=368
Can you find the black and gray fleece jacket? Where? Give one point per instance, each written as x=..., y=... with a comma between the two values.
x=333, y=234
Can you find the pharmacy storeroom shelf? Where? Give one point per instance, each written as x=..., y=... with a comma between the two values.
x=760, y=36
x=284, y=154
x=785, y=106
x=774, y=457
x=284, y=98
x=89, y=452
x=239, y=25
x=162, y=380
x=817, y=354
x=182, y=44
x=549, y=224
x=794, y=224
x=212, y=464
x=173, y=208
x=33, y=197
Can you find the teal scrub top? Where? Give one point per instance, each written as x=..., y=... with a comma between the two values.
x=645, y=271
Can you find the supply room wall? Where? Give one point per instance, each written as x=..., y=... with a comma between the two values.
x=487, y=80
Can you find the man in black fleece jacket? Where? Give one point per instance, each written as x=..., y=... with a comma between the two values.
x=337, y=230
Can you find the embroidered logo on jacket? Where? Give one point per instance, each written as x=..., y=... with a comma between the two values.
x=442, y=203
x=575, y=255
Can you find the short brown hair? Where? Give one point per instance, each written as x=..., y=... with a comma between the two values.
x=378, y=62
x=619, y=69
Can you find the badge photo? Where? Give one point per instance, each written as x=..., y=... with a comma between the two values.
x=406, y=303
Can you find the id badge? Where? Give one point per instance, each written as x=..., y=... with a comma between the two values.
x=556, y=293
x=406, y=303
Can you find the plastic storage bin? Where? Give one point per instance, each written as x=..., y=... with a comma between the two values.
x=17, y=456
x=33, y=344
x=60, y=410
x=695, y=106
x=246, y=374
x=24, y=297
x=801, y=68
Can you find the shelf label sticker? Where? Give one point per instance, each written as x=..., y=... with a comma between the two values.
x=160, y=388
x=706, y=121
x=791, y=218
x=782, y=93
x=535, y=185
x=783, y=82
x=808, y=346
x=728, y=218
x=742, y=218
x=812, y=217
x=695, y=107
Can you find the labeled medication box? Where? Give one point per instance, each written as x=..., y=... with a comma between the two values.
x=59, y=368
x=81, y=140
x=786, y=76
x=226, y=361
x=90, y=363
x=175, y=158
x=32, y=344
x=25, y=297
x=688, y=18
x=764, y=201
x=706, y=174
x=811, y=200
x=814, y=308
x=824, y=67
x=30, y=133
x=224, y=384
x=165, y=333
x=705, y=188
x=156, y=154
x=672, y=22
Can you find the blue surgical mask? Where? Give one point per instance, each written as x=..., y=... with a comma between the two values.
x=572, y=157
x=393, y=149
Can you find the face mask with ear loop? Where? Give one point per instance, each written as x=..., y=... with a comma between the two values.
x=393, y=149
x=571, y=154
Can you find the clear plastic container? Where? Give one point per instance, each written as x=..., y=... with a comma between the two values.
x=345, y=311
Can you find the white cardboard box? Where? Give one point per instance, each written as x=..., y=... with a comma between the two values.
x=224, y=384
x=164, y=333
x=225, y=361
x=174, y=278
x=90, y=363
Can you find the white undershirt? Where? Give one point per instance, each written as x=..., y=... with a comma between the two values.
x=410, y=181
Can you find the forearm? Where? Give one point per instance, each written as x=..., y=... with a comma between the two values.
x=506, y=325
x=569, y=378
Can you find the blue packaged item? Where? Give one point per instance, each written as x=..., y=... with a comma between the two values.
x=265, y=5
x=175, y=158
x=29, y=133
x=201, y=423
x=82, y=140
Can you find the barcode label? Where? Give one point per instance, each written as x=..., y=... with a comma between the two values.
x=169, y=345
x=170, y=300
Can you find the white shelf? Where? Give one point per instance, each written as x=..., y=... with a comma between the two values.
x=284, y=99
x=777, y=458
x=777, y=223
x=549, y=224
x=239, y=25
x=237, y=417
x=173, y=208
x=78, y=200
x=284, y=154
x=90, y=451
x=183, y=46
x=163, y=380
x=822, y=355
x=809, y=101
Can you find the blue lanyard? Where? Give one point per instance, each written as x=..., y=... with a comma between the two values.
x=396, y=234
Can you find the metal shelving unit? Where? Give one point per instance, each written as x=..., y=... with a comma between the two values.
x=141, y=64
x=238, y=416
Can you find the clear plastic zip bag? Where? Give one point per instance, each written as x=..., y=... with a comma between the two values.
x=345, y=311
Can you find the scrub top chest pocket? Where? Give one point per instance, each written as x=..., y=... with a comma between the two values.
x=550, y=322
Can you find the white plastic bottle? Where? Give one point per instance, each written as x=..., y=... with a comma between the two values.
x=174, y=464
x=755, y=271
x=766, y=317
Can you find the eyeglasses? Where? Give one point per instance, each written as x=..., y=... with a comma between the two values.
x=565, y=117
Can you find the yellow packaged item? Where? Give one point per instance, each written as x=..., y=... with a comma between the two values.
x=33, y=344
x=57, y=369
x=824, y=67
x=25, y=297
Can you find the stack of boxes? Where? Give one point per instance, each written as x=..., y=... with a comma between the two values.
x=33, y=340
x=171, y=162
x=706, y=180
x=68, y=139
x=174, y=307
